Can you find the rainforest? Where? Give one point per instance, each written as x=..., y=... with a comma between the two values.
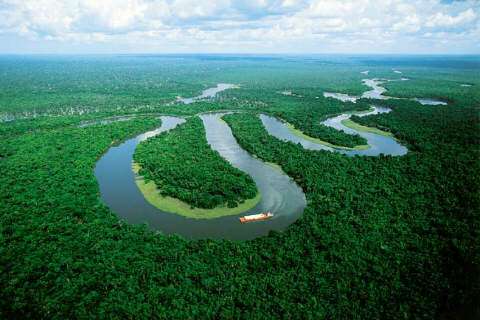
x=172, y=161
x=124, y=177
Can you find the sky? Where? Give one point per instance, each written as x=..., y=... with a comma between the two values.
x=240, y=26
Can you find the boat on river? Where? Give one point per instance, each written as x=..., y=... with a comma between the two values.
x=256, y=217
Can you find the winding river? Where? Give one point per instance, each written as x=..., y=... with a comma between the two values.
x=279, y=193
x=378, y=143
x=377, y=92
x=208, y=93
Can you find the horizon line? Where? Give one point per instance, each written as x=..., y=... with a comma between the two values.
x=231, y=54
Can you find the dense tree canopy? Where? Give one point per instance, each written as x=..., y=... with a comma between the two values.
x=183, y=166
x=381, y=238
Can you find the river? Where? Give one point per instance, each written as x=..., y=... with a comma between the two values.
x=378, y=144
x=376, y=92
x=208, y=93
x=280, y=194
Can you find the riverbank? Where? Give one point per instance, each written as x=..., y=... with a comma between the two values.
x=302, y=135
x=173, y=205
x=358, y=127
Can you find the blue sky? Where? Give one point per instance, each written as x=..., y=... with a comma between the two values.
x=240, y=26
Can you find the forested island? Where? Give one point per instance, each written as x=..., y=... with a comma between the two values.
x=183, y=166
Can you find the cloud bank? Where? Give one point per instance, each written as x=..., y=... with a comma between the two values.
x=264, y=26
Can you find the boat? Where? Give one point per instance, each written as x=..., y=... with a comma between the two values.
x=256, y=217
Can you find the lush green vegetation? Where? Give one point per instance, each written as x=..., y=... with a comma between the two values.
x=309, y=123
x=316, y=140
x=352, y=123
x=183, y=166
x=306, y=111
x=409, y=223
x=174, y=205
x=381, y=238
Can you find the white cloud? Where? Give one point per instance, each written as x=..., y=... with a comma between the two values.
x=187, y=9
x=409, y=24
x=333, y=8
x=245, y=24
x=109, y=15
x=444, y=20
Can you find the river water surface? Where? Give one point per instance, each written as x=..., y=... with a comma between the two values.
x=280, y=194
x=377, y=92
x=378, y=144
x=208, y=93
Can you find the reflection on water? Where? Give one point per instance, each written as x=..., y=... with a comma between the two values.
x=379, y=144
x=280, y=194
x=340, y=96
x=377, y=92
x=104, y=121
x=208, y=93
x=430, y=102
